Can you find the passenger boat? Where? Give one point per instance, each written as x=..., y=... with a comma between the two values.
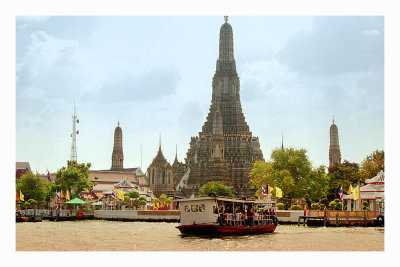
x=225, y=216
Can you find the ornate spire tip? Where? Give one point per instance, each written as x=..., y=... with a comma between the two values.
x=226, y=19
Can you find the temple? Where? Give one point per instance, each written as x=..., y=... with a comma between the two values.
x=161, y=175
x=225, y=149
x=334, y=148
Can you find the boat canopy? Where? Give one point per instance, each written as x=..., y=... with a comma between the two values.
x=248, y=201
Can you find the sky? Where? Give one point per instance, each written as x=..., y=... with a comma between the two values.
x=154, y=74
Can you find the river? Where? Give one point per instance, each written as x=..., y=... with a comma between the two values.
x=97, y=235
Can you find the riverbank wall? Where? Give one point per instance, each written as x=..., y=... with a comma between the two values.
x=138, y=215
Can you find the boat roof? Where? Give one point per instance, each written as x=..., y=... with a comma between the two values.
x=248, y=201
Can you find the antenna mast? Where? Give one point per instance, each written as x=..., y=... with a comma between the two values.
x=73, y=136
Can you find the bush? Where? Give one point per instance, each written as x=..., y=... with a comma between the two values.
x=295, y=207
x=142, y=198
x=365, y=205
x=315, y=206
x=332, y=205
x=339, y=206
x=280, y=206
x=133, y=194
x=322, y=206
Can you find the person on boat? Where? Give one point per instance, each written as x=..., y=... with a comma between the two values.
x=250, y=215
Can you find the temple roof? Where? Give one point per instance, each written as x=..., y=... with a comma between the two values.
x=159, y=159
x=379, y=178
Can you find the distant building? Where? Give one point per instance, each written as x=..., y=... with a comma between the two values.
x=21, y=168
x=161, y=175
x=117, y=159
x=104, y=181
x=334, y=148
x=373, y=192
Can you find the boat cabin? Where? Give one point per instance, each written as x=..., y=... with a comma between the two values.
x=215, y=210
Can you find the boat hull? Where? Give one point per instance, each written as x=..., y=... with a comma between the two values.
x=213, y=229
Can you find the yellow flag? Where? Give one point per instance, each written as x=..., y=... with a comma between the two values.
x=67, y=195
x=350, y=190
x=356, y=193
x=278, y=192
x=21, y=196
x=62, y=195
x=270, y=188
x=121, y=195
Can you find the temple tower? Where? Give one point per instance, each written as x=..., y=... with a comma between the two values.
x=161, y=175
x=225, y=149
x=117, y=154
x=334, y=148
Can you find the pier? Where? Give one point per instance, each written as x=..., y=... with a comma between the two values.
x=341, y=218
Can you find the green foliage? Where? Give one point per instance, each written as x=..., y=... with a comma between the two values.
x=33, y=187
x=280, y=206
x=335, y=205
x=75, y=175
x=31, y=203
x=315, y=206
x=344, y=174
x=142, y=198
x=155, y=200
x=162, y=197
x=295, y=207
x=136, y=203
x=290, y=170
x=127, y=200
x=134, y=194
x=142, y=203
x=322, y=206
x=168, y=201
x=365, y=205
x=218, y=188
x=373, y=164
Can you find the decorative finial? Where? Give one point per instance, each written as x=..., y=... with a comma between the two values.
x=226, y=19
x=159, y=142
x=118, y=122
x=333, y=119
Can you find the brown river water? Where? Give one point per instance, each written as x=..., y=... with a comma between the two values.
x=153, y=236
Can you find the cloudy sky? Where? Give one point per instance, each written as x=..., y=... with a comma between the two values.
x=155, y=73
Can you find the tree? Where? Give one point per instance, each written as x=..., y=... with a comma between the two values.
x=291, y=171
x=216, y=187
x=162, y=199
x=143, y=203
x=142, y=198
x=373, y=164
x=127, y=200
x=343, y=175
x=136, y=203
x=75, y=175
x=133, y=194
x=33, y=187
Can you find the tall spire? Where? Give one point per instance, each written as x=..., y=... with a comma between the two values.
x=74, y=156
x=176, y=154
x=159, y=143
x=226, y=18
x=117, y=158
x=333, y=119
x=334, y=148
x=282, y=141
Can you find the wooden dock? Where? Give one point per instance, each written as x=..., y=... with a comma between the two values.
x=341, y=218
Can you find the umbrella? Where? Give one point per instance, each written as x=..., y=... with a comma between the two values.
x=76, y=201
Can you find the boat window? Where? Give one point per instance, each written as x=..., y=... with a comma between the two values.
x=202, y=207
x=195, y=208
x=187, y=208
x=215, y=210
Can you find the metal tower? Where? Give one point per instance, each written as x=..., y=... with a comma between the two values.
x=73, y=136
